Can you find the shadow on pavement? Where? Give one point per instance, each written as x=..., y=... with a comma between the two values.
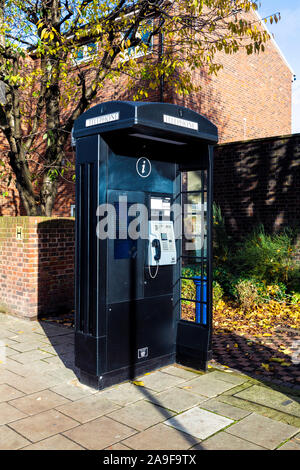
x=62, y=340
x=249, y=356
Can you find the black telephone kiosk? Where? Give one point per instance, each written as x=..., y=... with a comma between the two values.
x=143, y=239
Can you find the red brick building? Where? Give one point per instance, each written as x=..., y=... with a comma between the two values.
x=250, y=98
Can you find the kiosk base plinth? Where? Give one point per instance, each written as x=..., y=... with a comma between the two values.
x=125, y=373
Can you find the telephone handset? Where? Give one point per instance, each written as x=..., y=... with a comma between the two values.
x=157, y=246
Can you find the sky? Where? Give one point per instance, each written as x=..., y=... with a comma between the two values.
x=287, y=36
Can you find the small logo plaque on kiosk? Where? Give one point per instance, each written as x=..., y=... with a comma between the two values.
x=143, y=232
x=142, y=353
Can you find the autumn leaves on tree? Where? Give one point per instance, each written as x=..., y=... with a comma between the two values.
x=44, y=87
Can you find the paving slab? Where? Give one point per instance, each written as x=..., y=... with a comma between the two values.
x=9, y=352
x=271, y=398
x=161, y=437
x=63, y=360
x=207, y=385
x=262, y=431
x=59, y=349
x=179, y=372
x=228, y=376
x=224, y=409
x=48, y=348
x=21, y=329
x=31, y=356
x=41, y=398
x=199, y=423
x=25, y=338
x=73, y=390
x=89, y=408
x=11, y=440
x=62, y=373
x=53, y=330
x=126, y=393
x=99, y=433
x=68, y=338
x=177, y=399
x=4, y=333
x=38, y=402
x=117, y=446
x=9, y=342
x=43, y=425
x=25, y=347
x=32, y=384
x=158, y=381
x=224, y=441
x=9, y=393
x=141, y=415
x=8, y=413
x=58, y=442
x=58, y=361
x=6, y=376
x=36, y=368
x=290, y=445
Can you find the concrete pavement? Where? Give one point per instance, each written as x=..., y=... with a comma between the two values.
x=44, y=406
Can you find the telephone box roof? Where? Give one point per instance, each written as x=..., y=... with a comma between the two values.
x=147, y=120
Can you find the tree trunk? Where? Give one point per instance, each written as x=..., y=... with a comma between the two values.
x=47, y=195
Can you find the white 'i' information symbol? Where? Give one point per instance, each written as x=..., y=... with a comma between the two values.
x=143, y=167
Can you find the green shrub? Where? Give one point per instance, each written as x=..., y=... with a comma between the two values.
x=217, y=292
x=191, y=270
x=188, y=289
x=221, y=240
x=247, y=294
x=295, y=297
x=267, y=258
x=224, y=277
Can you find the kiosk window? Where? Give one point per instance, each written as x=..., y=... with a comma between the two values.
x=194, y=247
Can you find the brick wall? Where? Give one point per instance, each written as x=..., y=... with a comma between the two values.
x=258, y=181
x=36, y=271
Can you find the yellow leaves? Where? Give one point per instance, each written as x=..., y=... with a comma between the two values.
x=139, y=383
x=286, y=351
x=276, y=359
x=280, y=361
x=261, y=320
x=46, y=33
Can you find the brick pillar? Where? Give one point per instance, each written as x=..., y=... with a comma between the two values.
x=36, y=265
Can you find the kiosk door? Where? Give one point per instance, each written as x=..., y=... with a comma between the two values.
x=138, y=293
